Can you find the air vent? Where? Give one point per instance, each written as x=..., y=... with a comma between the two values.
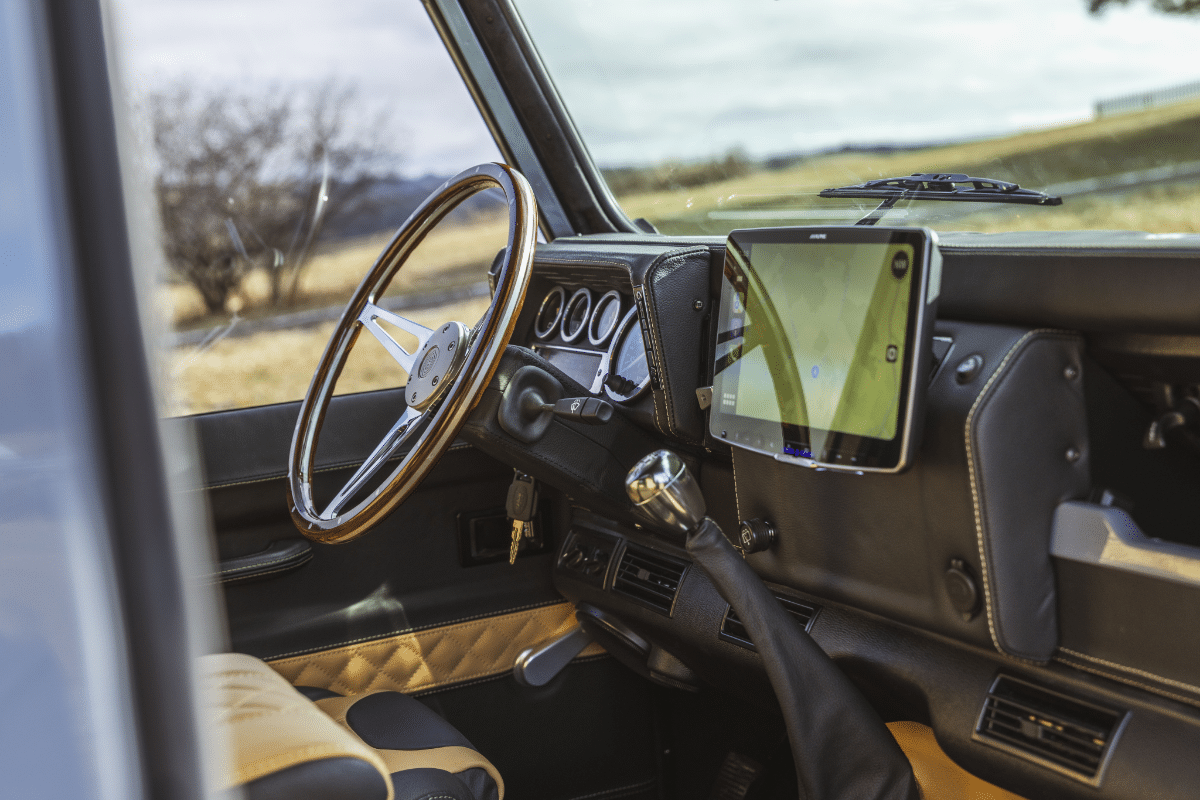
x=732, y=629
x=1064, y=733
x=649, y=577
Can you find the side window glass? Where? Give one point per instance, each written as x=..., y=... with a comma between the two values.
x=286, y=143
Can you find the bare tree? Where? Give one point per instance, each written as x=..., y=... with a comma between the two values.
x=248, y=180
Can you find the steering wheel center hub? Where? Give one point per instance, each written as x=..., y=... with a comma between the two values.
x=438, y=364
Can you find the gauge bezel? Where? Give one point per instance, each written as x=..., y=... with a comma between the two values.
x=617, y=338
x=596, y=309
x=585, y=295
x=544, y=334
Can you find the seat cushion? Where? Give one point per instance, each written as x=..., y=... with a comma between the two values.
x=272, y=741
x=416, y=745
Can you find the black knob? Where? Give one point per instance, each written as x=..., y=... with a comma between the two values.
x=968, y=369
x=962, y=589
x=756, y=535
x=574, y=558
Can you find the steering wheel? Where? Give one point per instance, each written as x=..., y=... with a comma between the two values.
x=447, y=372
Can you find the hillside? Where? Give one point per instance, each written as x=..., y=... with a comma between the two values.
x=1037, y=158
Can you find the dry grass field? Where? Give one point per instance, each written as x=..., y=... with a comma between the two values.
x=276, y=366
x=1035, y=158
x=451, y=255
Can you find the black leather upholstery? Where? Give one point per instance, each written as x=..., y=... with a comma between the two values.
x=424, y=756
x=671, y=279
x=430, y=784
x=672, y=285
x=326, y=779
x=841, y=747
x=1029, y=447
x=395, y=721
x=587, y=462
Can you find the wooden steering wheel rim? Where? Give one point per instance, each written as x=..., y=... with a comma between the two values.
x=456, y=402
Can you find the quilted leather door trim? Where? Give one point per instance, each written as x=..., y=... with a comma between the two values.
x=429, y=659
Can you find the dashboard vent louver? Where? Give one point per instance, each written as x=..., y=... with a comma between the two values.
x=1065, y=733
x=649, y=577
x=732, y=629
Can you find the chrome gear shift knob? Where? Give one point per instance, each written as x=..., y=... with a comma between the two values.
x=661, y=486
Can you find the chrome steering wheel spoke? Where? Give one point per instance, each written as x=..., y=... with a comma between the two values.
x=386, y=448
x=369, y=318
x=448, y=370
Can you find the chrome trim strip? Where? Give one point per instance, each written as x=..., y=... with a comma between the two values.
x=611, y=296
x=581, y=294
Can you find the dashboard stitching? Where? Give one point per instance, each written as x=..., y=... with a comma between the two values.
x=591, y=262
x=976, y=500
x=1132, y=671
x=737, y=500
x=656, y=343
x=672, y=260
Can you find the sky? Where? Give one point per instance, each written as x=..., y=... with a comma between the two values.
x=387, y=49
x=649, y=80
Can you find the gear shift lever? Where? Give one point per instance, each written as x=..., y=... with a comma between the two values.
x=662, y=487
x=841, y=748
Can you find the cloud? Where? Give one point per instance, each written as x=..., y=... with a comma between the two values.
x=389, y=50
x=649, y=81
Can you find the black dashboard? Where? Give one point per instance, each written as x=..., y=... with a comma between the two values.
x=951, y=593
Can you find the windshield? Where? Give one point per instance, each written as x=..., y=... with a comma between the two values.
x=706, y=116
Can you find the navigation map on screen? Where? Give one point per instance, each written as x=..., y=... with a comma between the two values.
x=834, y=335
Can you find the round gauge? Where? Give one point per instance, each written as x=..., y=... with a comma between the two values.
x=605, y=317
x=575, y=318
x=628, y=372
x=550, y=312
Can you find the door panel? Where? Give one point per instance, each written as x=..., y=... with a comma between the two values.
x=407, y=574
x=400, y=608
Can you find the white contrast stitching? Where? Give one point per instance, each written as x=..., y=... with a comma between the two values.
x=675, y=259
x=1133, y=671
x=737, y=500
x=418, y=629
x=294, y=556
x=274, y=476
x=975, y=494
x=656, y=343
x=250, y=575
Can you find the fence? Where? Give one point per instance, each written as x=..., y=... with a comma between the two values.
x=1144, y=100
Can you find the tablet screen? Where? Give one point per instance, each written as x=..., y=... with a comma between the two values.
x=817, y=343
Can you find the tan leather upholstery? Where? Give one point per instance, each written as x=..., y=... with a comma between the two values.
x=415, y=662
x=268, y=725
x=938, y=776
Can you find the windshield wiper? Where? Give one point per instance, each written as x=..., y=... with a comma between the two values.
x=939, y=186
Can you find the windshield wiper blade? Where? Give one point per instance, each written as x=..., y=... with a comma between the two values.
x=940, y=186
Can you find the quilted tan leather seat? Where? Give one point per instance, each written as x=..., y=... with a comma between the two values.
x=276, y=743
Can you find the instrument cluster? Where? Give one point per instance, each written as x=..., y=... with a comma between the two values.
x=595, y=338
